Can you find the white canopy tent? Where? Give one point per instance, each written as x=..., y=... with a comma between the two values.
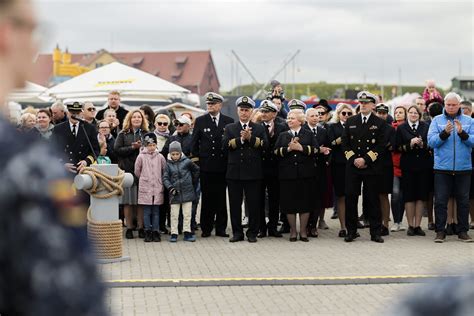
x=31, y=93
x=133, y=84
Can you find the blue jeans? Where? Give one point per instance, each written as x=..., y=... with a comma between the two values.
x=151, y=214
x=397, y=201
x=445, y=186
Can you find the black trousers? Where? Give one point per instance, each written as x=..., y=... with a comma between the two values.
x=271, y=185
x=353, y=184
x=252, y=191
x=213, y=203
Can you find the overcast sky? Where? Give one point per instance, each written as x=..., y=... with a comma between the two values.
x=340, y=41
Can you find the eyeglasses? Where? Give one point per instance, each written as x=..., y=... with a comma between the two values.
x=322, y=113
x=104, y=126
x=162, y=123
x=346, y=113
x=180, y=124
x=91, y=109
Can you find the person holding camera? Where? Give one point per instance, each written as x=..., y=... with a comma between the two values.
x=416, y=164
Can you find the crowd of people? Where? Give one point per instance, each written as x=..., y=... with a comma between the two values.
x=283, y=165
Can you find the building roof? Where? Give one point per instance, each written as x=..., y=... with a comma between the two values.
x=186, y=68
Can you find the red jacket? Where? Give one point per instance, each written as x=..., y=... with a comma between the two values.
x=397, y=172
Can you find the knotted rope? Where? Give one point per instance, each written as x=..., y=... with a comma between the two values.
x=106, y=236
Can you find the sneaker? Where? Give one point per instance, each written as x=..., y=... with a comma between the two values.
x=395, y=227
x=129, y=234
x=411, y=231
x=463, y=236
x=402, y=228
x=322, y=224
x=419, y=232
x=156, y=236
x=189, y=237
x=431, y=226
x=148, y=236
x=450, y=229
x=173, y=238
x=440, y=237
x=141, y=233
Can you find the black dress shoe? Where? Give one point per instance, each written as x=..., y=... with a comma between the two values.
x=262, y=234
x=384, y=231
x=274, y=233
x=222, y=234
x=350, y=238
x=293, y=239
x=360, y=225
x=236, y=238
x=252, y=239
x=129, y=234
x=377, y=238
x=285, y=230
x=205, y=234
x=304, y=239
x=431, y=226
x=141, y=233
x=342, y=233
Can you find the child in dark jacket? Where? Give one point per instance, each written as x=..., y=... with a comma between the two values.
x=180, y=178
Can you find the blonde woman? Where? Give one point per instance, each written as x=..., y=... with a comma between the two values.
x=162, y=132
x=338, y=160
x=127, y=147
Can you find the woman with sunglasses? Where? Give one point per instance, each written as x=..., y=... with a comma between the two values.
x=162, y=123
x=338, y=160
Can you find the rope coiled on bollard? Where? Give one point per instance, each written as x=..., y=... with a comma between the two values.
x=105, y=236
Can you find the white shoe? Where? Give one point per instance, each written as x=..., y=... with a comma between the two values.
x=245, y=221
x=395, y=227
x=402, y=228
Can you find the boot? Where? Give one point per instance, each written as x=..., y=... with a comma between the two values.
x=148, y=236
x=156, y=237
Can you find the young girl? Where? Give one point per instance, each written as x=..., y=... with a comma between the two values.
x=149, y=168
x=180, y=178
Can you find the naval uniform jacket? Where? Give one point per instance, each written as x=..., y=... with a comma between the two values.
x=335, y=140
x=76, y=148
x=244, y=161
x=206, y=145
x=323, y=140
x=269, y=160
x=297, y=164
x=364, y=141
x=416, y=158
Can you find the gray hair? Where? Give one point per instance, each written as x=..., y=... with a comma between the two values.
x=452, y=95
x=59, y=105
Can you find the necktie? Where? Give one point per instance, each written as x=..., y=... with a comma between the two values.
x=244, y=126
x=364, y=120
x=268, y=127
x=314, y=131
x=296, y=134
x=73, y=130
x=215, y=120
x=414, y=127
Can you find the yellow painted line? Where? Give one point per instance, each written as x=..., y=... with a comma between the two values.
x=308, y=278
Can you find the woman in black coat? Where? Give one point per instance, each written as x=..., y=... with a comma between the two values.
x=416, y=165
x=338, y=161
x=296, y=171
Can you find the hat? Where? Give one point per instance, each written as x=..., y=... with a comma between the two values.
x=175, y=147
x=366, y=96
x=74, y=105
x=245, y=102
x=149, y=138
x=182, y=119
x=268, y=105
x=323, y=103
x=296, y=104
x=381, y=107
x=212, y=97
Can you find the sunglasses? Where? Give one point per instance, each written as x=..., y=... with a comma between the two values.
x=162, y=123
x=91, y=109
x=322, y=113
x=346, y=113
x=180, y=124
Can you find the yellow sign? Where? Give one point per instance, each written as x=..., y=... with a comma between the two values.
x=114, y=82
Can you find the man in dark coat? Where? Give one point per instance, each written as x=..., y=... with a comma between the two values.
x=244, y=142
x=363, y=141
x=270, y=184
x=77, y=139
x=113, y=102
x=206, y=151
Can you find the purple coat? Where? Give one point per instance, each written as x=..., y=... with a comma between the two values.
x=149, y=169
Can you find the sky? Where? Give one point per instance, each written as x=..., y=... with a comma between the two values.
x=384, y=42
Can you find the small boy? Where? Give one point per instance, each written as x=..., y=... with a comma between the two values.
x=180, y=178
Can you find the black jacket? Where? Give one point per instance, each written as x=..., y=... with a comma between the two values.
x=364, y=141
x=76, y=148
x=124, y=151
x=335, y=142
x=184, y=139
x=296, y=164
x=386, y=156
x=244, y=160
x=416, y=158
x=323, y=140
x=206, y=146
x=269, y=160
x=121, y=113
